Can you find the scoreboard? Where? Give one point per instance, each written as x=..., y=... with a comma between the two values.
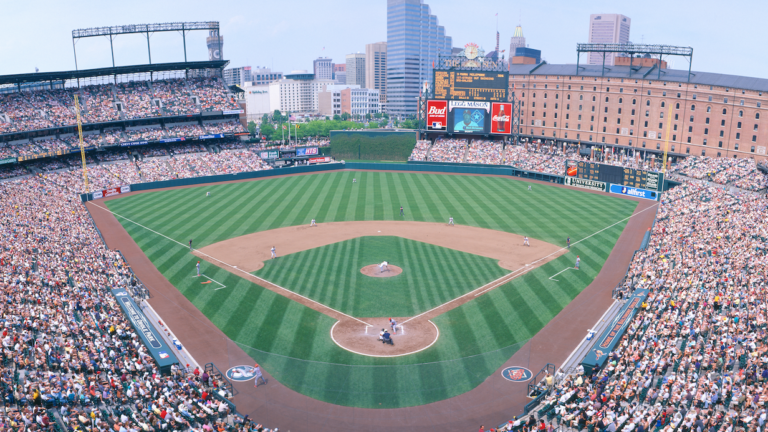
x=630, y=177
x=471, y=85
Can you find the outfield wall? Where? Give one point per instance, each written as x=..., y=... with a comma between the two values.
x=386, y=145
x=426, y=167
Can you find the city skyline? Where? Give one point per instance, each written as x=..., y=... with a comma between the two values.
x=250, y=37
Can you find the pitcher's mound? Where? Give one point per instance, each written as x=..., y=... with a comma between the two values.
x=373, y=271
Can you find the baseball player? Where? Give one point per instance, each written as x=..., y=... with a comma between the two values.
x=259, y=376
x=529, y=187
x=207, y=194
x=274, y=254
x=393, y=324
x=354, y=180
x=568, y=242
x=402, y=213
x=383, y=265
x=450, y=221
x=526, y=242
x=190, y=245
x=578, y=261
x=313, y=223
x=198, y=268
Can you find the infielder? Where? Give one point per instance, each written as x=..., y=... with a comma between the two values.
x=383, y=265
x=274, y=255
x=526, y=242
x=312, y=223
x=402, y=213
x=450, y=221
x=190, y=245
x=198, y=268
x=568, y=242
x=578, y=261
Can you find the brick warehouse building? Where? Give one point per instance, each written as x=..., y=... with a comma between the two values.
x=713, y=114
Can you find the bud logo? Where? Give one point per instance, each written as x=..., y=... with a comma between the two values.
x=437, y=111
x=433, y=110
x=501, y=118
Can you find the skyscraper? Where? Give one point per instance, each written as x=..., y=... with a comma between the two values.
x=607, y=29
x=376, y=68
x=237, y=76
x=356, y=69
x=414, y=41
x=517, y=41
x=323, y=68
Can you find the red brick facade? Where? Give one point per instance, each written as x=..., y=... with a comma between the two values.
x=633, y=112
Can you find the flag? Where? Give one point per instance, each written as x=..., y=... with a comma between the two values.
x=284, y=128
x=497, y=14
x=298, y=126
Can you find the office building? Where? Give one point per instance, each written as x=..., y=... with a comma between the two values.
x=329, y=100
x=237, y=76
x=517, y=41
x=607, y=29
x=323, y=68
x=296, y=92
x=261, y=76
x=414, y=42
x=256, y=101
x=376, y=68
x=356, y=69
x=340, y=73
x=339, y=99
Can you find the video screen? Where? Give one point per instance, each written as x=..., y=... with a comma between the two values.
x=468, y=120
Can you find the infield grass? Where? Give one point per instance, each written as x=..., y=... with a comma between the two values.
x=432, y=275
x=292, y=341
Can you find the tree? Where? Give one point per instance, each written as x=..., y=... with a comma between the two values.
x=345, y=116
x=336, y=117
x=252, y=127
x=265, y=118
x=373, y=125
x=276, y=116
x=267, y=130
x=368, y=116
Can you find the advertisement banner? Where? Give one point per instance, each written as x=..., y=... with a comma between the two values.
x=634, y=192
x=586, y=184
x=211, y=136
x=306, y=151
x=125, y=189
x=170, y=140
x=270, y=154
x=501, y=118
x=320, y=159
x=133, y=143
x=7, y=161
x=469, y=104
x=437, y=115
x=233, y=112
x=151, y=338
x=111, y=192
x=98, y=194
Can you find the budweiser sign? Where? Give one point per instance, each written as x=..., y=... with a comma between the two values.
x=501, y=118
x=437, y=115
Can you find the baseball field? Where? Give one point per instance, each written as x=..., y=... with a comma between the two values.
x=290, y=335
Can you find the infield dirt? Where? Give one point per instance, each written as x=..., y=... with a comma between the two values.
x=246, y=254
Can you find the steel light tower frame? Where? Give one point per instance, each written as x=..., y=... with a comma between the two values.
x=112, y=32
x=632, y=49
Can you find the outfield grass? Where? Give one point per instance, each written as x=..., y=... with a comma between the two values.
x=292, y=341
x=432, y=275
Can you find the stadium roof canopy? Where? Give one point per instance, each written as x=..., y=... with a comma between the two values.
x=644, y=73
x=19, y=79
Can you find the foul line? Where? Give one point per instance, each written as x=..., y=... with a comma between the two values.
x=528, y=267
x=228, y=265
x=567, y=268
x=214, y=280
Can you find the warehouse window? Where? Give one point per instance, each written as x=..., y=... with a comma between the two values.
x=704, y=142
x=741, y=113
x=754, y=139
x=633, y=101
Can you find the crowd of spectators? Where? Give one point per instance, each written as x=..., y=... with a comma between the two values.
x=448, y=150
x=694, y=357
x=419, y=152
x=33, y=110
x=485, y=152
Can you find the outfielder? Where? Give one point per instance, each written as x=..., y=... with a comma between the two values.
x=529, y=187
x=383, y=265
x=207, y=194
x=274, y=255
x=450, y=221
x=526, y=242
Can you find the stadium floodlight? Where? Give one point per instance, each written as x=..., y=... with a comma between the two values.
x=111, y=32
x=631, y=49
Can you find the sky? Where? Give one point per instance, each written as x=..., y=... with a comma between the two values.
x=287, y=35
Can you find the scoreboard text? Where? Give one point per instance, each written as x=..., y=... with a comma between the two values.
x=471, y=85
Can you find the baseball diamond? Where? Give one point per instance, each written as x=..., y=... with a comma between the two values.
x=483, y=304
